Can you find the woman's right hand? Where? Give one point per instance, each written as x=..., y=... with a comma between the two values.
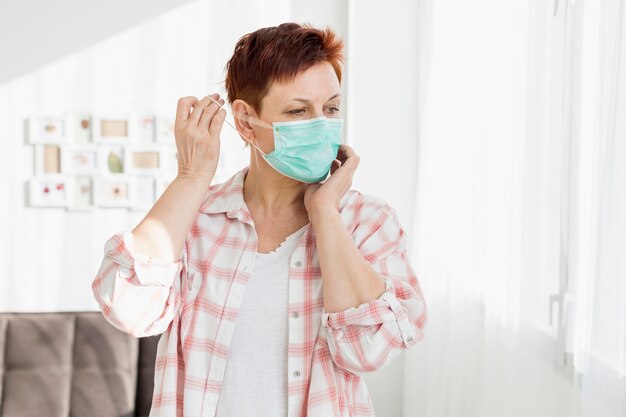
x=197, y=135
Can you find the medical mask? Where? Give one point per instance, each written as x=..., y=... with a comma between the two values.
x=304, y=150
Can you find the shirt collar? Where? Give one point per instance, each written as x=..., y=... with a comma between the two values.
x=227, y=197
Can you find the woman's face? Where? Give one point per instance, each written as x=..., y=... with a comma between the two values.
x=313, y=93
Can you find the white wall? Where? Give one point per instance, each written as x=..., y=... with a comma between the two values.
x=382, y=106
x=34, y=32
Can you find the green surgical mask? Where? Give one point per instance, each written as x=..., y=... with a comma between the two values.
x=304, y=150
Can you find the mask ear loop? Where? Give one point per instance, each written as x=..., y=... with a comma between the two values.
x=250, y=120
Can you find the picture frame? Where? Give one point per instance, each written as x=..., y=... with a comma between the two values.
x=48, y=191
x=80, y=159
x=112, y=129
x=81, y=193
x=165, y=130
x=142, y=193
x=47, y=159
x=112, y=160
x=144, y=159
x=143, y=128
x=112, y=192
x=46, y=129
x=170, y=166
x=161, y=184
x=81, y=128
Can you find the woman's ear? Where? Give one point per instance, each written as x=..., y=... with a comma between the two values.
x=242, y=112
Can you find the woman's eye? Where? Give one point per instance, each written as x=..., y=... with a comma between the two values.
x=332, y=109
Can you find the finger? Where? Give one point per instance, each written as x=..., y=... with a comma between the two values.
x=216, y=123
x=183, y=107
x=208, y=114
x=199, y=107
x=343, y=148
x=351, y=159
x=345, y=153
x=339, y=165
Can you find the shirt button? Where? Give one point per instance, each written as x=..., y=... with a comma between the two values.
x=299, y=264
x=409, y=339
x=294, y=314
x=296, y=373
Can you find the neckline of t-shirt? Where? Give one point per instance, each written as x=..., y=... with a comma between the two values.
x=283, y=244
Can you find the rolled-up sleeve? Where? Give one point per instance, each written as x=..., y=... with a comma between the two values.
x=366, y=338
x=137, y=294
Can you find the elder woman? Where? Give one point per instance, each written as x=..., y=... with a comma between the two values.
x=276, y=290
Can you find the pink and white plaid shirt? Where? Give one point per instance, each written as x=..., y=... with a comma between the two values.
x=194, y=303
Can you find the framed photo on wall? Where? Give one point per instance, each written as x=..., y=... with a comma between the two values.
x=112, y=192
x=143, y=193
x=79, y=159
x=47, y=159
x=165, y=130
x=49, y=191
x=115, y=129
x=46, y=129
x=80, y=193
x=81, y=128
x=144, y=159
x=161, y=184
x=111, y=160
x=143, y=128
x=170, y=165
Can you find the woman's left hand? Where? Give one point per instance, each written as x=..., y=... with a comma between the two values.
x=320, y=196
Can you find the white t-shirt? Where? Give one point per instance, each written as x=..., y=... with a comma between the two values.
x=255, y=379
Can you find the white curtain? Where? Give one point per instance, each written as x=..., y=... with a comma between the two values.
x=597, y=327
x=519, y=227
x=468, y=240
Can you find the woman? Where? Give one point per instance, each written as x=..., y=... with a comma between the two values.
x=276, y=290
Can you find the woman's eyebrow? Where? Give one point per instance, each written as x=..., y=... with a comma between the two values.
x=304, y=100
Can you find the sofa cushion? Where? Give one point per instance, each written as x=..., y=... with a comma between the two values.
x=38, y=365
x=73, y=364
x=105, y=369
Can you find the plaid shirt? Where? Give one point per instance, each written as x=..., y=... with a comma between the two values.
x=194, y=302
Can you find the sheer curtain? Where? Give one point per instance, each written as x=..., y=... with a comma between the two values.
x=519, y=225
x=468, y=241
x=597, y=325
x=470, y=161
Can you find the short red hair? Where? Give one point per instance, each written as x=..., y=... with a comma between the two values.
x=278, y=53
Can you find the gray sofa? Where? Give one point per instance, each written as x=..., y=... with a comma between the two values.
x=73, y=364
